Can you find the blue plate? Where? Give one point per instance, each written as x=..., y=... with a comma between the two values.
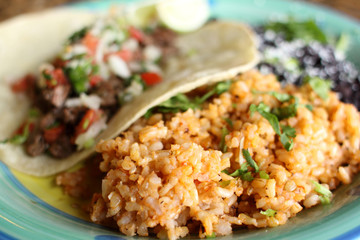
x=31, y=208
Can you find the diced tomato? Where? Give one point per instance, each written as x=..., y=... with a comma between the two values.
x=21, y=129
x=59, y=75
x=95, y=79
x=126, y=55
x=55, y=77
x=59, y=63
x=91, y=42
x=151, y=78
x=136, y=33
x=23, y=84
x=89, y=118
x=50, y=135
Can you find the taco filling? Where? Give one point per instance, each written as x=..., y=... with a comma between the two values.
x=101, y=67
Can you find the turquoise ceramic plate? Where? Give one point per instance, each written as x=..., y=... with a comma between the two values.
x=33, y=208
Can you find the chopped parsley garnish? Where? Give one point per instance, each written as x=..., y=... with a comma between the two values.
x=228, y=121
x=78, y=78
x=78, y=35
x=309, y=107
x=22, y=137
x=224, y=132
x=263, y=175
x=224, y=183
x=287, y=111
x=282, y=97
x=243, y=172
x=269, y=212
x=219, y=88
x=286, y=133
x=293, y=29
x=181, y=103
x=34, y=113
x=287, y=137
x=239, y=172
x=249, y=160
x=320, y=86
x=86, y=124
x=264, y=111
x=213, y=235
x=46, y=75
x=326, y=194
x=89, y=143
x=247, y=177
x=178, y=103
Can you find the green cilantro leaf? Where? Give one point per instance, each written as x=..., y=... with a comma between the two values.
x=269, y=212
x=22, y=137
x=326, y=193
x=241, y=171
x=286, y=135
x=320, y=86
x=76, y=36
x=285, y=112
x=224, y=132
x=309, y=107
x=224, y=183
x=247, y=177
x=181, y=102
x=263, y=175
x=213, y=235
x=78, y=78
x=249, y=160
x=228, y=121
x=292, y=29
x=219, y=88
x=282, y=97
x=261, y=107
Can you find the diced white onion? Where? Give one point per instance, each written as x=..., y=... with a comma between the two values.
x=135, y=89
x=90, y=101
x=151, y=67
x=104, y=70
x=46, y=66
x=131, y=45
x=92, y=132
x=119, y=66
x=152, y=53
x=241, y=157
x=78, y=49
x=135, y=66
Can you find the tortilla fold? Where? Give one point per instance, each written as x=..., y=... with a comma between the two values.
x=221, y=50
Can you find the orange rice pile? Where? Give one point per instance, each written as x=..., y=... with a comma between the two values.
x=164, y=175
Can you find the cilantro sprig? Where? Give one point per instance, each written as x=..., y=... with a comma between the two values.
x=76, y=36
x=243, y=172
x=181, y=103
x=320, y=86
x=293, y=29
x=269, y=212
x=286, y=111
x=325, y=193
x=286, y=133
x=224, y=132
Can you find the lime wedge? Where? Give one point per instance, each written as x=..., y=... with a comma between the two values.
x=183, y=15
x=141, y=14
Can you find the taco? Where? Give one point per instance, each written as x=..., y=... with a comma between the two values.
x=101, y=81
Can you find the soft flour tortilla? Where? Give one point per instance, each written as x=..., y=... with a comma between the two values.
x=220, y=50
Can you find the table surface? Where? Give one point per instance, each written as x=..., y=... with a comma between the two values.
x=9, y=8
